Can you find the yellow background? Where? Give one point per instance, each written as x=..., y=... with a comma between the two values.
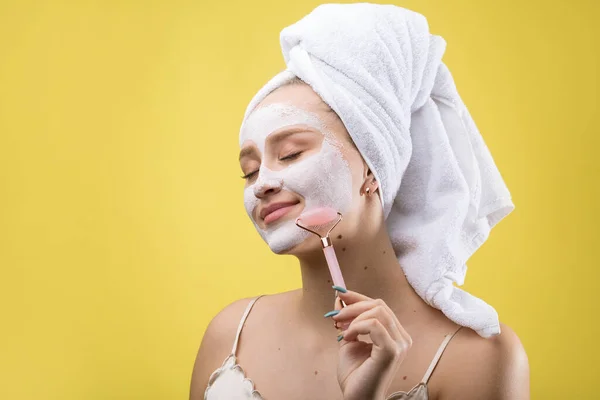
x=122, y=228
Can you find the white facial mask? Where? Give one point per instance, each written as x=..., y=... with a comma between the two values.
x=323, y=179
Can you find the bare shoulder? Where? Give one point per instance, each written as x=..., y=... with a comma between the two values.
x=216, y=345
x=478, y=368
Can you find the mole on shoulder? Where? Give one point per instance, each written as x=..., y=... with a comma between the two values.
x=366, y=267
x=316, y=372
x=343, y=249
x=404, y=377
x=339, y=236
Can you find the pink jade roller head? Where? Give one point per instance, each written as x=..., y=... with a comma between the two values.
x=321, y=222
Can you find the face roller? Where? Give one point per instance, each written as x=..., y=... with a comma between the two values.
x=321, y=221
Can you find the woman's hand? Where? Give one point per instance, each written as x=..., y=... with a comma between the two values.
x=366, y=370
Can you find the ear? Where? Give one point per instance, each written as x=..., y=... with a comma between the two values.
x=369, y=182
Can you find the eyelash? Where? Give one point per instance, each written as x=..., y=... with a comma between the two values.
x=286, y=158
x=291, y=156
x=250, y=175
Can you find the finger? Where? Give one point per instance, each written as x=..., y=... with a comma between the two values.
x=377, y=333
x=337, y=291
x=354, y=310
x=351, y=297
x=385, y=317
x=337, y=305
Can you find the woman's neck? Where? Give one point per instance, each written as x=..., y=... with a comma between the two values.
x=368, y=268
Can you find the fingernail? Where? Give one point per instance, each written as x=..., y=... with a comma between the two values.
x=331, y=313
x=339, y=289
x=340, y=337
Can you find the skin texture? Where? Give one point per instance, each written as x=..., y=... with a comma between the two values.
x=289, y=349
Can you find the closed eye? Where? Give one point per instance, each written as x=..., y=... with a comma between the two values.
x=249, y=175
x=291, y=156
x=286, y=158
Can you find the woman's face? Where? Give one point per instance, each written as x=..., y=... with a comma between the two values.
x=296, y=155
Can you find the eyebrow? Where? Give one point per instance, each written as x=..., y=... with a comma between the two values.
x=247, y=151
x=287, y=132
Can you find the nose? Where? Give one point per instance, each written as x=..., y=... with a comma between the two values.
x=266, y=186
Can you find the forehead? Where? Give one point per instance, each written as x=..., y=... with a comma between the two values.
x=299, y=95
x=289, y=105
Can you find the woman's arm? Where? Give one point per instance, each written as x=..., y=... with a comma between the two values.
x=215, y=346
x=491, y=369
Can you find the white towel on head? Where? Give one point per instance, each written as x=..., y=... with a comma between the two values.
x=380, y=70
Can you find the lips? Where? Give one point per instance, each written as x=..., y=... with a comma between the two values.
x=275, y=211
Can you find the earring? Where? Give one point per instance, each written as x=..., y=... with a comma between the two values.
x=368, y=191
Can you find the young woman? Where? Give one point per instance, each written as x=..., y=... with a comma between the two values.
x=403, y=331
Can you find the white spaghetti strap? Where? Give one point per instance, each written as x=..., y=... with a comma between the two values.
x=437, y=356
x=239, y=330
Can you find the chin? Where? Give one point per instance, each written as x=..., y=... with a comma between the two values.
x=310, y=246
x=280, y=250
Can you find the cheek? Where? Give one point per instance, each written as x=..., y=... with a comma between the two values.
x=324, y=180
x=250, y=200
x=357, y=171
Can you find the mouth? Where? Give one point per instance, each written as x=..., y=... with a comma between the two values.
x=276, y=211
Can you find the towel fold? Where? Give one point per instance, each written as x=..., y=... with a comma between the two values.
x=380, y=69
